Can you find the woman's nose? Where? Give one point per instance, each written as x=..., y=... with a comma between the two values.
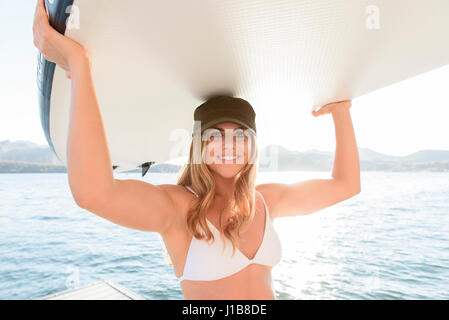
x=228, y=140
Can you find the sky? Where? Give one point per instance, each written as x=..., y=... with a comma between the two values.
x=400, y=119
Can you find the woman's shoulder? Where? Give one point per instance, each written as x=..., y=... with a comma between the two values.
x=181, y=197
x=269, y=192
x=178, y=193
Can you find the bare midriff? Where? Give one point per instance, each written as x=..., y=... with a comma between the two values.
x=254, y=282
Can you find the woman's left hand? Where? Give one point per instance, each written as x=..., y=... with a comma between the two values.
x=332, y=107
x=55, y=47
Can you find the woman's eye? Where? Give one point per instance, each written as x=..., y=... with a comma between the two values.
x=215, y=134
x=239, y=133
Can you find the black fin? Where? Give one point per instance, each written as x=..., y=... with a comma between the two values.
x=145, y=167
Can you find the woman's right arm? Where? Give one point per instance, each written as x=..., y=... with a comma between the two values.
x=131, y=203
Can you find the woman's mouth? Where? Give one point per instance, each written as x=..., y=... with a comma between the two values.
x=227, y=159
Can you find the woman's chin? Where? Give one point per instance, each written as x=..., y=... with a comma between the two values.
x=226, y=170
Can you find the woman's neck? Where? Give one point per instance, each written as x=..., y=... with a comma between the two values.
x=224, y=187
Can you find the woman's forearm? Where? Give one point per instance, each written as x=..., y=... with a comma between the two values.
x=88, y=160
x=346, y=162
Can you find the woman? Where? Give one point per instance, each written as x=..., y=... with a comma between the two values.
x=215, y=223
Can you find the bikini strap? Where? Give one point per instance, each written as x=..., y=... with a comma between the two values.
x=191, y=190
x=263, y=199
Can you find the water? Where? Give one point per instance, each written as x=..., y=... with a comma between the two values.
x=391, y=241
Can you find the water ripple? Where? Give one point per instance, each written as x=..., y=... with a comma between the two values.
x=391, y=241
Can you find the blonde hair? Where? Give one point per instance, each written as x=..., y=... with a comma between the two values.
x=242, y=202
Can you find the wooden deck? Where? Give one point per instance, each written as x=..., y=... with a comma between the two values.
x=100, y=290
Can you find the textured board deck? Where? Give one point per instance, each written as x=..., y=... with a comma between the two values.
x=155, y=61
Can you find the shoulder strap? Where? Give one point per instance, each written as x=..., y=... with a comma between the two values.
x=190, y=189
x=263, y=199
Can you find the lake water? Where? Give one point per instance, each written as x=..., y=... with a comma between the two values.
x=391, y=241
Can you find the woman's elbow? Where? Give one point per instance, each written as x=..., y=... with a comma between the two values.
x=86, y=200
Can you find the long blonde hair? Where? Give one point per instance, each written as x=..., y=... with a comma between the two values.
x=242, y=202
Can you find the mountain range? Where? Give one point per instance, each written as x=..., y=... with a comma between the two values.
x=25, y=156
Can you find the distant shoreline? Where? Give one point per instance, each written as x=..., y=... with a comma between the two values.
x=27, y=157
x=12, y=167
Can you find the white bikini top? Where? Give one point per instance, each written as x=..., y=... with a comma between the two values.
x=207, y=261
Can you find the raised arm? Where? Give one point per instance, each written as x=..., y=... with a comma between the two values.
x=131, y=203
x=309, y=196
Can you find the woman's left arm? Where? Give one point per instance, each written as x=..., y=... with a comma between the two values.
x=309, y=196
x=346, y=161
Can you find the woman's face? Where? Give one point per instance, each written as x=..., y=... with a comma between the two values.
x=228, y=148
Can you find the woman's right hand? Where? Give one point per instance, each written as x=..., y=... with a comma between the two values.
x=54, y=46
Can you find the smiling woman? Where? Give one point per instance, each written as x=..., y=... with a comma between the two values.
x=216, y=224
x=227, y=206
x=218, y=140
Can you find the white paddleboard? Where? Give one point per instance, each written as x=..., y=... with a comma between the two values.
x=154, y=62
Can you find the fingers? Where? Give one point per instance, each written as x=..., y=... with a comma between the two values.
x=36, y=11
x=41, y=7
x=317, y=113
x=323, y=110
x=42, y=30
x=327, y=108
x=40, y=15
x=41, y=11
